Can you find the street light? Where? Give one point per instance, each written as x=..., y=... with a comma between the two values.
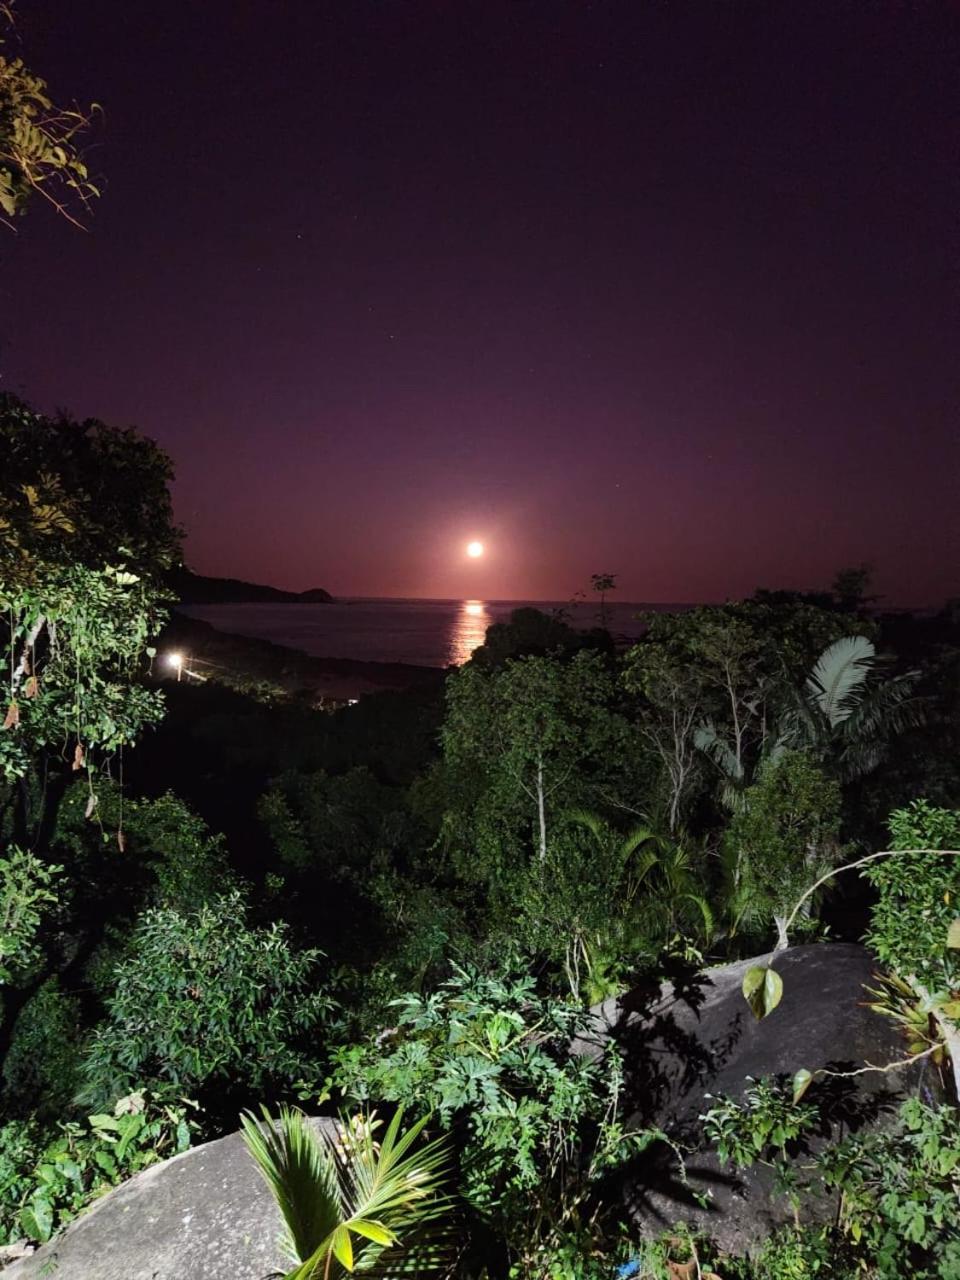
x=176, y=660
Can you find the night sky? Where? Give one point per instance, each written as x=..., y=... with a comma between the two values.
x=663, y=289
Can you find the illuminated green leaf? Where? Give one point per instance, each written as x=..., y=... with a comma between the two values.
x=762, y=990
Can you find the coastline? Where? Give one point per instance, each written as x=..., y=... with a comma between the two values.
x=244, y=661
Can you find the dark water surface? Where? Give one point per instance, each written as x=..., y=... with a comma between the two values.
x=429, y=633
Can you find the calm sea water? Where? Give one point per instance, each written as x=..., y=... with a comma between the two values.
x=429, y=633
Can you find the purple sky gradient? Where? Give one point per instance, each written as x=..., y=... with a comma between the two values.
x=661, y=289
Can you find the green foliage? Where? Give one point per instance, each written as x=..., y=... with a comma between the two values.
x=335, y=823
x=169, y=856
x=898, y=1187
x=28, y=887
x=713, y=680
x=607, y=903
x=202, y=1000
x=764, y=1125
x=805, y=1254
x=85, y=535
x=38, y=142
x=918, y=898
x=522, y=746
x=537, y=1127
x=900, y=1204
x=845, y=714
x=785, y=835
x=41, y=1066
x=351, y=1201
x=48, y=1177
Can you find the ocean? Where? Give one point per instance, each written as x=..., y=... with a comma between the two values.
x=428, y=633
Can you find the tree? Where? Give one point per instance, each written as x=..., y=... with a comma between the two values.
x=782, y=838
x=850, y=588
x=602, y=583
x=525, y=741
x=710, y=680
x=39, y=152
x=531, y=632
x=673, y=696
x=87, y=536
x=523, y=745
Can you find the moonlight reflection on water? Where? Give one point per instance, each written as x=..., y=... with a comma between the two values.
x=469, y=630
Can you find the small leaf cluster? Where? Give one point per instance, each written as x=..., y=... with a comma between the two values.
x=764, y=1125
x=28, y=888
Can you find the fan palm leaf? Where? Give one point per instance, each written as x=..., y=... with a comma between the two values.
x=708, y=740
x=836, y=683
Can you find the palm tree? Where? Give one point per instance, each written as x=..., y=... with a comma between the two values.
x=844, y=713
x=651, y=880
x=352, y=1204
x=602, y=583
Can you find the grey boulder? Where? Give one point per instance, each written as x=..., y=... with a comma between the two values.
x=696, y=1038
x=203, y=1215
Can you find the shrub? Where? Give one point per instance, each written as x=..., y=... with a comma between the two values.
x=203, y=999
x=47, y=1177
x=536, y=1126
x=41, y=1067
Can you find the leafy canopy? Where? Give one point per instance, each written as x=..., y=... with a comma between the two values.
x=39, y=151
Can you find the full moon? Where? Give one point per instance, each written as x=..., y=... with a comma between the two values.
x=474, y=549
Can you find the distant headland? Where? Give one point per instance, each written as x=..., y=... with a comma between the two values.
x=196, y=588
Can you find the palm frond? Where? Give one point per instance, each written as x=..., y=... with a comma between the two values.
x=888, y=708
x=302, y=1173
x=708, y=740
x=393, y=1202
x=706, y=913
x=634, y=839
x=591, y=822
x=836, y=683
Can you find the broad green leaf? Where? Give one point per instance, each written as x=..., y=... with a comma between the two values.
x=104, y=1122
x=952, y=1010
x=762, y=990
x=343, y=1247
x=801, y=1083
x=953, y=934
x=37, y=1220
x=374, y=1231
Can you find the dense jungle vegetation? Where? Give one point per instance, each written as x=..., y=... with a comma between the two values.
x=210, y=901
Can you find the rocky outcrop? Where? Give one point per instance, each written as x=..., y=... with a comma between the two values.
x=697, y=1037
x=196, y=588
x=206, y=1215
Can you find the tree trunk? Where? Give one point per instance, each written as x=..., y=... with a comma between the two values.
x=783, y=940
x=541, y=809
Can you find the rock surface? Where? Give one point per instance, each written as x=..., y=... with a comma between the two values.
x=697, y=1037
x=204, y=1215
